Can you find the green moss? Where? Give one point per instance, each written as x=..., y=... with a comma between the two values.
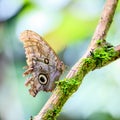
x=100, y=42
x=64, y=88
x=103, y=43
x=100, y=56
x=52, y=113
x=103, y=55
x=67, y=86
x=89, y=63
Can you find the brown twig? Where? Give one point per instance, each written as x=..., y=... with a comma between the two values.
x=104, y=23
x=80, y=69
x=105, y=20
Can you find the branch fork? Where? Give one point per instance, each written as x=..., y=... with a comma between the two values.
x=98, y=54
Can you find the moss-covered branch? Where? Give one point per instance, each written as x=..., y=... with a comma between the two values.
x=98, y=58
x=99, y=54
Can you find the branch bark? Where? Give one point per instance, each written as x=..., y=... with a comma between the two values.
x=104, y=23
x=99, y=54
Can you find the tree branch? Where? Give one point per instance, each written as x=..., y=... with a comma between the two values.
x=99, y=54
x=104, y=23
x=105, y=20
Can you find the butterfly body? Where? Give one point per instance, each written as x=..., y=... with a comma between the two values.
x=43, y=64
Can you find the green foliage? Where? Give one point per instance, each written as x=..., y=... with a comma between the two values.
x=27, y=8
x=72, y=28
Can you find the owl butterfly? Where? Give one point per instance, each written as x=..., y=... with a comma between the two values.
x=43, y=65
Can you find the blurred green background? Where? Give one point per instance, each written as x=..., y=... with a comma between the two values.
x=68, y=26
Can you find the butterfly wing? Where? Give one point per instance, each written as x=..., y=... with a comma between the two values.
x=43, y=64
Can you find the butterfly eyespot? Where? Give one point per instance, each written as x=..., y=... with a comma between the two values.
x=42, y=79
x=46, y=61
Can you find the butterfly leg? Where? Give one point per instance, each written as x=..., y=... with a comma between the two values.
x=28, y=71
